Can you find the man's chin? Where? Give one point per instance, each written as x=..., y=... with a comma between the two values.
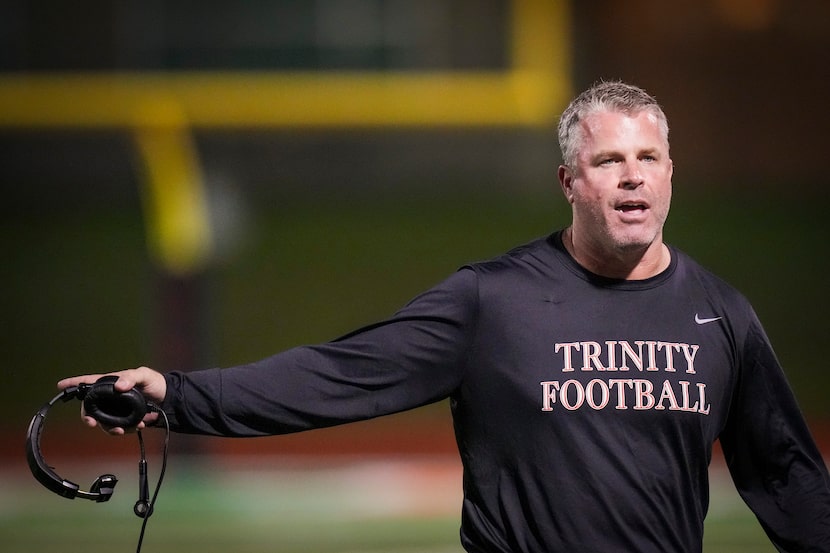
x=633, y=243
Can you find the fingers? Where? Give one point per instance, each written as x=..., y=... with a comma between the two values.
x=78, y=380
x=89, y=421
x=150, y=418
x=151, y=383
x=127, y=380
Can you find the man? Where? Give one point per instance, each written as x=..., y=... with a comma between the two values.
x=589, y=372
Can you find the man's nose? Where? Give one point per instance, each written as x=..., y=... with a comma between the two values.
x=631, y=176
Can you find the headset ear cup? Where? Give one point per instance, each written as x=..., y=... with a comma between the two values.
x=113, y=408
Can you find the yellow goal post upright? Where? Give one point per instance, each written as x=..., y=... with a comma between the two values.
x=161, y=109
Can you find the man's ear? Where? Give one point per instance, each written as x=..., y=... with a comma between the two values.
x=566, y=178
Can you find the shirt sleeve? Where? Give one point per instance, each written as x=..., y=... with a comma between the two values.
x=773, y=459
x=414, y=358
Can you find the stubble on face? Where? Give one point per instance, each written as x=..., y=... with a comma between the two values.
x=620, y=189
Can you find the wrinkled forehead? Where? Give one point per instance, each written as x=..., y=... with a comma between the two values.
x=622, y=117
x=644, y=127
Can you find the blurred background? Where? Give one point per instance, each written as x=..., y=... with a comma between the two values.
x=190, y=184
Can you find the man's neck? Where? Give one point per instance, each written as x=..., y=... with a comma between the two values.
x=635, y=264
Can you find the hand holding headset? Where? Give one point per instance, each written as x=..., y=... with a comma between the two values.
x=113, y=409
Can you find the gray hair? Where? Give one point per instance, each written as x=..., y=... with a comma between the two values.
x=604, y=96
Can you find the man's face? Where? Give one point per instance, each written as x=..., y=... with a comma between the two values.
x=620, y=188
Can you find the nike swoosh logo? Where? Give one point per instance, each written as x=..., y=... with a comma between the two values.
x=703, y=321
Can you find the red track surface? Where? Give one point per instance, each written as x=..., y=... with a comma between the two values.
x=398, y=435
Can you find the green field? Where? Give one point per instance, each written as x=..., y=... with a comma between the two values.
x=357, y=506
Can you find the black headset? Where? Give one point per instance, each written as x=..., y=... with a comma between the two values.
x=110, y=407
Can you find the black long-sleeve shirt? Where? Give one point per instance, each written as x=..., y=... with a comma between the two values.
x=585, y=408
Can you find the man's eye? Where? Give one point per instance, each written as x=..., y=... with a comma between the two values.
x=607, y=161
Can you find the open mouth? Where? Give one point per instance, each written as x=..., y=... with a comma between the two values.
x=631, y=207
